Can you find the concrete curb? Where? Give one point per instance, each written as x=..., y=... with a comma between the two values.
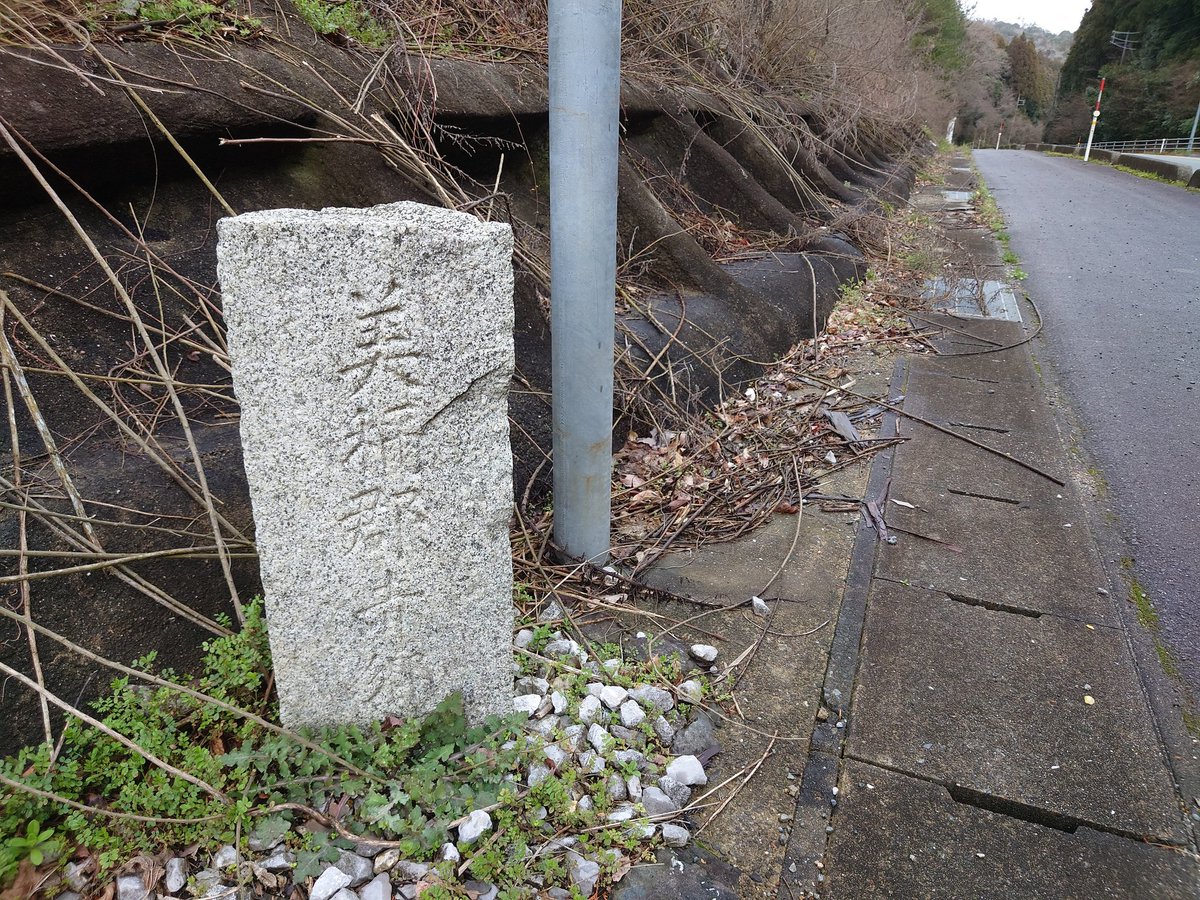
x=1184, y=175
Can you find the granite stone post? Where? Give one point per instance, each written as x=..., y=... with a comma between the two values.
x=372, y=351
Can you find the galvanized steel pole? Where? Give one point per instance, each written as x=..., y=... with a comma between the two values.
x=585, y=96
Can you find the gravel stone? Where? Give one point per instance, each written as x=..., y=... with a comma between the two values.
x=552, y=612
x=524, y=638
x=675, y=835
x=694, y=740
x=584, y=873
x=613, y=695
x=633, y=787
x=615, y=787
x=561, y=649
x=358, y=868
x=643, y=831
x=679, y=793
x=131, y=887
x=622, y=813
x=759, y=606
x=690, y=691
x=599, y=738
x=573, y=738
x=279, y=861
x=345, y=894
x=226, y=858
x=592, y=763
x=657, y=803
x=537, y=774
x=532, y=684
x=653, y=697
x=527, y=703
x=449, y=852
x=367, y=850
x=175, y=876
x=207, y=879
x=378, y=888
x=589, y=709
x=386, y=860
x=585, y=803
x=629, y=736
x=258, y=845
x=704, y=652
x=75, y=876
x=407, y=870
x=593, y=689
x=663, y=730
x=555, y=754
x=632, y=715
x=687, y=770
x=329, y=883
x=559, y=701
x=545, y=727
x=477, y=824
x=624, y=757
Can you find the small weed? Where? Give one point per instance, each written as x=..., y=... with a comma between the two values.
x=923, y=262
x=1146, y=615
x=34, y=844
x=1010, y=258
x=350, y=19
x=1166, y=660
x=1018, y=274
x=1191, y=721
x=197, y=18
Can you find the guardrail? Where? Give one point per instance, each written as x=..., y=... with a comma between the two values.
x=1158, y=145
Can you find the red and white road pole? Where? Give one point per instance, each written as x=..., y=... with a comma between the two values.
x=1095, y=118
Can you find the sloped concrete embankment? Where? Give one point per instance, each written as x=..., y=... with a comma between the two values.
x=697, y=324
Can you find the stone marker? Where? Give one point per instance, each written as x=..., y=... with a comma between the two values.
x=372, y=351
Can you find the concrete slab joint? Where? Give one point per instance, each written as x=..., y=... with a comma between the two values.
x=372, y=351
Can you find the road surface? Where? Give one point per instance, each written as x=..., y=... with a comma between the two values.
x=1114, y=266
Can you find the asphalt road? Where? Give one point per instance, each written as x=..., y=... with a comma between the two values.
x=1114, y=266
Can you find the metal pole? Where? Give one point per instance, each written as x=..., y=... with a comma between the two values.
x=998, y=134
x=1195, y=122
x=1095, y=119
x=585, y=95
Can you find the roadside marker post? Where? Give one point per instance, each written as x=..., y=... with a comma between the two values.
x=1095, y=119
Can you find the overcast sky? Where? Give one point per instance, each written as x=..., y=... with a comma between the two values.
x=1053, y=15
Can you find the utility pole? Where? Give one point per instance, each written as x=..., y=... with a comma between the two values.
x=1125, y=40
x=1095, y=119
x=585, y=96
